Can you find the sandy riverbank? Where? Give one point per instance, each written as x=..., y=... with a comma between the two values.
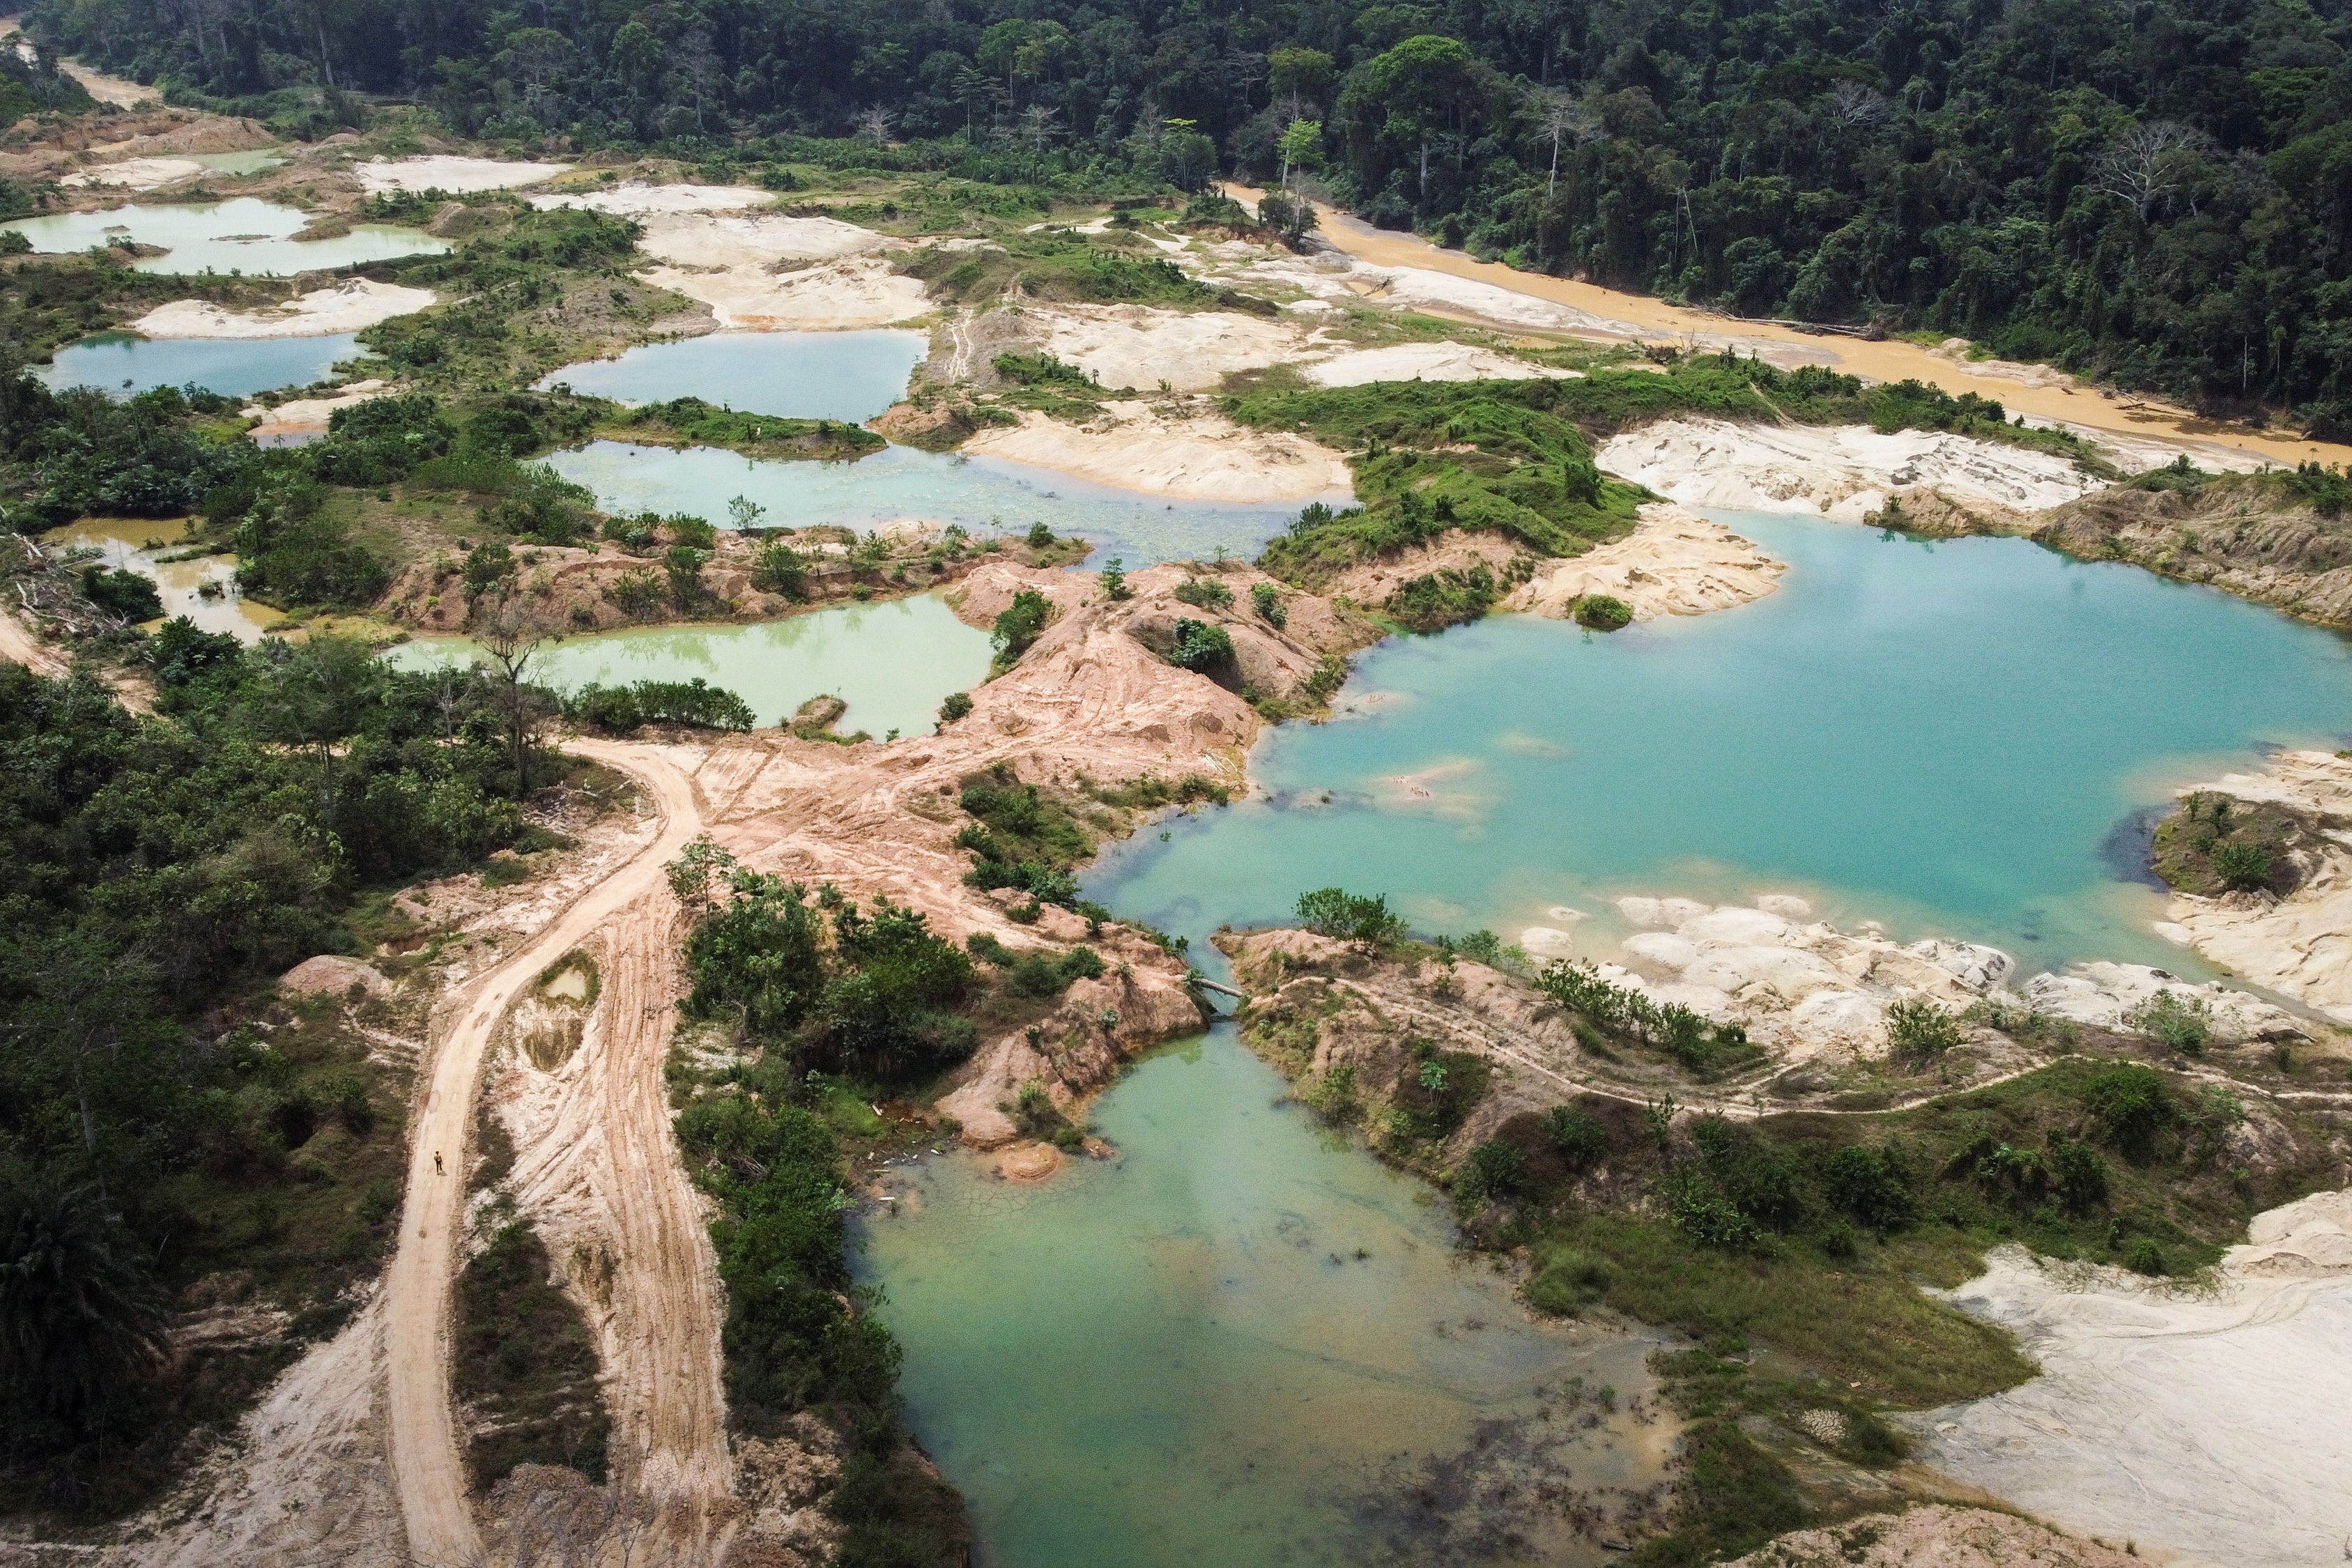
x=445, y=172
x=1671, y=564
x=1889, y=360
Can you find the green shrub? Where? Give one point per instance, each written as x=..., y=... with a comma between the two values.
x=1919, y=1032
x=1367, y=921
x=778, y=568
x=1869, y=1185
x=121, y=592
x=1019, y=624
x=1603, y=612
x=1581, y=1141
x=1266, y=599
x=1200, y=647
x=2244, y=866
x=957, y=706
x=2079, y=1175
x=695, y=702
x=2145, y=1257
x=2183, y=1023
x=1206, y=592
x=2130, y=1101
x=1493, y=1169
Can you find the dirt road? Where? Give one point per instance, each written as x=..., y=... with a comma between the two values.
x=425, y=1452
x=1890, y=359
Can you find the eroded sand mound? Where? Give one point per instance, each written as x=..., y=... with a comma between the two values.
x=1205, y=458
x=1429, y=361
x=634, y=199
x=137, y=174
x=443, y=171
x=346, y=308
x=2108, y=996
x=1837, y=471
x=1671, y=564
x=1936, y=1536
x=2210, y=1426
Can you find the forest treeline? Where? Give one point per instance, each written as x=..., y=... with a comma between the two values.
x=2156, y=191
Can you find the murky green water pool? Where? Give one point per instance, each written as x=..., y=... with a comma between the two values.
x=892, y=662
x=1241, y=1342
x=1949, y=738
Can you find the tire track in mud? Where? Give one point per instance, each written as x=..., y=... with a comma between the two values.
x=423, y=1448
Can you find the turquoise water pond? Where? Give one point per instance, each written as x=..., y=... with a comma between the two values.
x=1947, y=737
x=892, y=662
x=244, y=235
x=1241, y=1342
x=850, y=376
x=123, y=364
x=983, y=494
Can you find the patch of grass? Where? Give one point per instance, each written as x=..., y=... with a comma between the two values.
x=524, y=1366
x=691, y=422
x=2217, y=844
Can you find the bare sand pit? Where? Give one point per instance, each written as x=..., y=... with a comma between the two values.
x=2207, y=1425
x=1135, y=347
x=346, y=308
x=136, y=174
x=1841, y=472
x=1429, y=361
x=835, y=297
x=753, y=240
x=306, y=417
x=2299, y=945
x=1935, y=1536
x=456, y=175
x=635, y=198
x=1204, y=458
x=1671, y=564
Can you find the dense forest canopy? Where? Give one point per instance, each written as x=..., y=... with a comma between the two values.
x=2159, y=191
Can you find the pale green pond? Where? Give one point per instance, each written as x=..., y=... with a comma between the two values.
x=850, y=376
x=124, y=363
x=891, y=661
x=1949, y=738
x=1239, y=1342
x=985, y=495
x=244, y=235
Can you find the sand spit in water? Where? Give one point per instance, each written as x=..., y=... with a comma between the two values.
x=1207, y=456
x=1671, y=564
x=634, y=199
x=2205, y=1423
x=456, y=175
x=1837, y=471
x=322, y=313
x=2299, y=945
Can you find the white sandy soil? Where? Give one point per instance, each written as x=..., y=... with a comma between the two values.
x=1137, y=348
x=2210, y=1426
x=1836, y=471
x=1429, y=361
x=2301, y=945
x=345, y=308
x=441, y=172
x=1205, y=458
x=860, y=291
x=1936, y=1536
x=308, y=417
x=755, y=240
x=1671, y=564
x=634, y=199
x=2105, y=994
x=136, y=174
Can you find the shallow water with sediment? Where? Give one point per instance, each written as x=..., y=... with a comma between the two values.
x=123, y=364
x=1242, y=1341
x=245, y=235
